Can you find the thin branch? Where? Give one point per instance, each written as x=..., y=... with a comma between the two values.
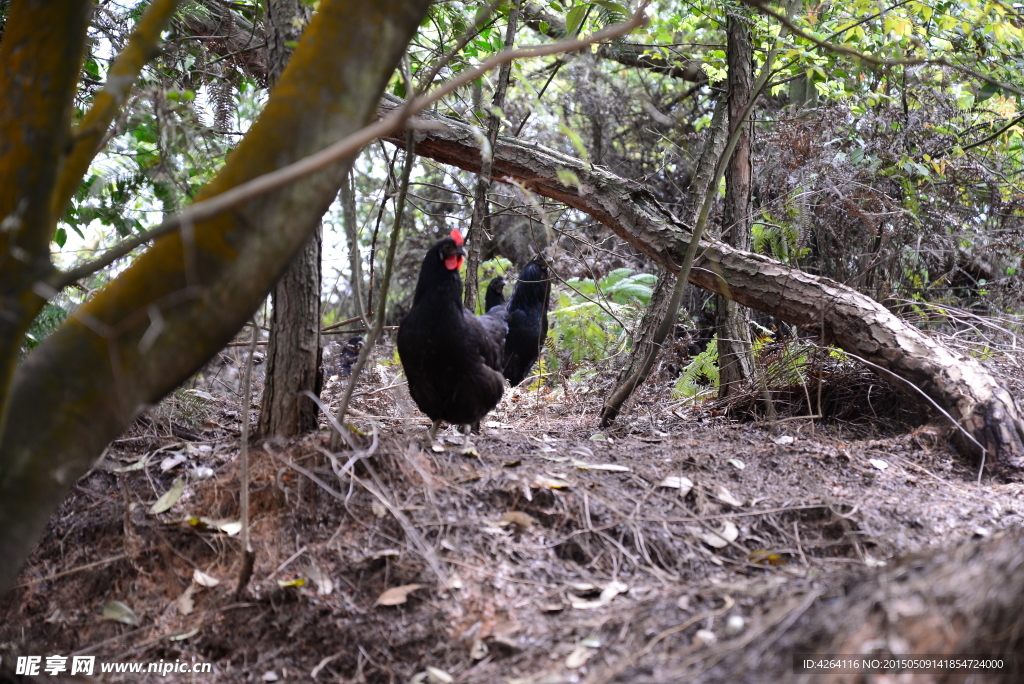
x=346, y=147
x=878, y=61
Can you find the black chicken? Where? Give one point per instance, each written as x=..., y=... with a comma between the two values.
x=495, y=294
x=452, y=359
x=527, y=320
x=349, y=354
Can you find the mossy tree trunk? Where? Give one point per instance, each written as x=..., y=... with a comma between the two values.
x=182, y=300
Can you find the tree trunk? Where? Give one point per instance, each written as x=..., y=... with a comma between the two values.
x=481, y=222
x=645, y=338
x=735, y=357
x=961, y=386
x=293, y=353
x=186, y=296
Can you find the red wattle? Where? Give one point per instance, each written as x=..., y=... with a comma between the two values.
x=453, y=263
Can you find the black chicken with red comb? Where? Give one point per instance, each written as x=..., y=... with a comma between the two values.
x=452, y=359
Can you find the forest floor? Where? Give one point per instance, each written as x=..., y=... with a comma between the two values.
x=561, y=554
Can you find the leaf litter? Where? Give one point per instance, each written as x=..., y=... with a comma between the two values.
x=649, y=559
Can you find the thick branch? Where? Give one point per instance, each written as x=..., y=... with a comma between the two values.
x=40, y=58
x=184, y=299
x=838, y=314
x=143, y=45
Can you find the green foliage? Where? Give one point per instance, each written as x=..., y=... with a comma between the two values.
x=587, y=320
x=700, y=374
x=48, y=320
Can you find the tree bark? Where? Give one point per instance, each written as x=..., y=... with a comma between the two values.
x=183, y=299
x=293, y=353
x=38, y=73
x=481, y=222
x=645, y=339
x=961, y=386
x=735, y=356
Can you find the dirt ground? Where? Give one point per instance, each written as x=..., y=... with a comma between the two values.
x=560, y=554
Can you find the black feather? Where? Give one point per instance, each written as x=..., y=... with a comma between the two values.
x=527, y=321
x=495, y=295
x=452, y=359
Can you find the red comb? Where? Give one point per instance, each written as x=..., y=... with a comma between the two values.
x=456, y=236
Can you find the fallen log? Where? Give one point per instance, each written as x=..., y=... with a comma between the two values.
x=989, y=427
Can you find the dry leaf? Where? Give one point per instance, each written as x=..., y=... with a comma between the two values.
x=324, y=585
x=683, y=484
x=728, y=534
x=187, y=635
x=723, y=495
x=549, y=482
x=438, y=676
x=396, y=596
x=521, y=520
x=204, y=580
x=171, y=461
x=878, y=463
x=578, y=658
x=611, y=467
x=169, y=498
x=184, y=603
x=119, y=612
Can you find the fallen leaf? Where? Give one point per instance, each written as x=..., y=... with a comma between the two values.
x=324, y=585
x=720, y=540
x=201, y=394
x=723, y=495
x=784, y=440
x=396, y=596
x=737, y=463
x=704, y=637
x=878, y=463
x=523, y=521
x=579, y=657
x=186, y=635
x=204, y=580
x=270, y=676
x=297, y=582
x=683, y=484
x=550, y=482
x=184, y=603
x=438, y=676
x=138, y=465
x=613, y=589
x=116, y=611
x=230, y=528
x=610, y=467
x=171, y=461
x=169, y=498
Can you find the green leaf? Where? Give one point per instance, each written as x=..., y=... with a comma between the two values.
x=60, y=237
x=613, y=7
x=574, y=19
